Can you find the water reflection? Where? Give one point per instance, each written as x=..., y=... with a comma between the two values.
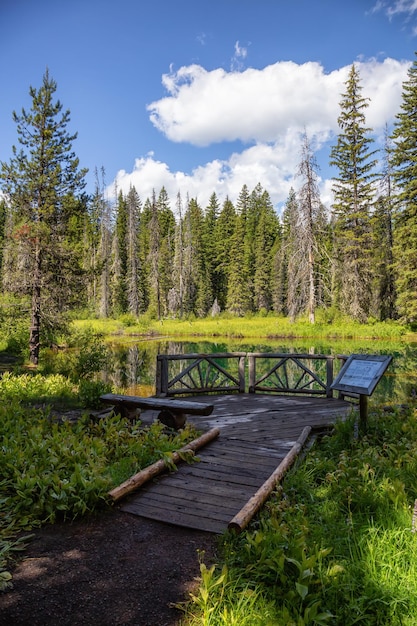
x=133, y=366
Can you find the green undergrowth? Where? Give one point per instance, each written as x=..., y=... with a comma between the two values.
x=336, y=544
x=57, y=470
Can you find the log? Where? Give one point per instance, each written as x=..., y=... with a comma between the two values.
x=149, y=472
x=242, y=519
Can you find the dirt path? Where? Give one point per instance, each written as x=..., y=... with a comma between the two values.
x=116, y=569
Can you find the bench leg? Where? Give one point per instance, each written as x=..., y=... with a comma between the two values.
x=130, y=411
x=172, y=420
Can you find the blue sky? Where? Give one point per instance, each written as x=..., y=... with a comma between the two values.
x=204, y=95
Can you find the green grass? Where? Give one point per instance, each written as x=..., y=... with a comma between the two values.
x=334, y=546
x=259, y=326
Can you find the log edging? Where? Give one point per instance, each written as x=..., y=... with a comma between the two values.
x=137, y=480
x=244, y=516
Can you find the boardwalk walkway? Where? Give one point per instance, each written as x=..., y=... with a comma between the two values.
x=256, y=433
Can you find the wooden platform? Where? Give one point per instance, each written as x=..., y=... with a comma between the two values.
x=256, y=433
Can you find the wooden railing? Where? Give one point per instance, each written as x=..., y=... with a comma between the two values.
x=267, y=372
x=200, y=373
x=290, y=373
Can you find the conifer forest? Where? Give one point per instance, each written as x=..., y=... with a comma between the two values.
x=63, y=249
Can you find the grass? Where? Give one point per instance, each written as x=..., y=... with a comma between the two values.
x=335, y=546
x=258, y=326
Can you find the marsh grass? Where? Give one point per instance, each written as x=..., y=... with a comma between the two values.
x=336, y=544
x=224, y=325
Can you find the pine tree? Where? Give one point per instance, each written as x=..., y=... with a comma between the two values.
x=210, y=246
x=193, y=275
x=266, y=232
x=37, y=181
x=176, y=293
x=119, y=258
x=353, y=201
x=154, y=260
x=135, y=295
x=384, y=295
x=404, y=162
x=225, y=226
x=166, y=222
x=295, y=298
x=238, y=296
x=309, y=205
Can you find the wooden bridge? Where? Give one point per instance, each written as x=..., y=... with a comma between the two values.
x=257, y=432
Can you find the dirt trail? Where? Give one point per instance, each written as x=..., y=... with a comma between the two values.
x=115, y=569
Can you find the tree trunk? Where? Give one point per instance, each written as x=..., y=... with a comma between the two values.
x=35, y=327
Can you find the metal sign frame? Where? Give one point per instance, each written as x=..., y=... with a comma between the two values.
x=361, y=373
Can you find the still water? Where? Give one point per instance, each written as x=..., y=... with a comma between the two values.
x=133, y=365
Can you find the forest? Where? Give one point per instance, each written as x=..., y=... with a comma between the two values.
x=63, y=250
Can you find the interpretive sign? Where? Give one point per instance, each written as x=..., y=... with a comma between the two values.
x=361, y=373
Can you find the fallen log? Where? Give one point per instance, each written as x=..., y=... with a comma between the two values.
x=153, y=470
x=242, y=519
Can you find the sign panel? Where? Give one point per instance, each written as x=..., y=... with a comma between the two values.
x=361, y=373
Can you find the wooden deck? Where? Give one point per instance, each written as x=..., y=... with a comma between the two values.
x=256, y=433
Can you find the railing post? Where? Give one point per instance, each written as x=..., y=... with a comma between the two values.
x=161, y=375
x=242, y=383
x=252, y=372
x=329, y=376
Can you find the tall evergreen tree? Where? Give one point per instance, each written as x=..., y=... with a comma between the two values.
x=37, y=182
x=176, y=293
x=193, y=275
x=384, y=294
x=211, y=246
x=154, y=260
x=266, y=232
x=238, y=295
x=404, y=162
x=166, y=222
x=295, y=298
x=354, y=196
x=135, y=295
x=119, y=258
x=309, y=209
x=225, y=226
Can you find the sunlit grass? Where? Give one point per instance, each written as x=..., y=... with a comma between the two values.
x=258, y=326
x=336, y=545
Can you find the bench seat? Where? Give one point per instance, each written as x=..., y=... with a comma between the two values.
x=172, y=412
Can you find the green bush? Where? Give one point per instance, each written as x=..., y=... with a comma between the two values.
x=89, y=392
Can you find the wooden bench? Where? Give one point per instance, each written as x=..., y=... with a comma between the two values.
x=172, y=413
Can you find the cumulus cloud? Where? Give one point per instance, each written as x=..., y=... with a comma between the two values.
x=266, y=111
x=205, y=107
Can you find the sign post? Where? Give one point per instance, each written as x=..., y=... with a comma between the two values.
x=360, y=375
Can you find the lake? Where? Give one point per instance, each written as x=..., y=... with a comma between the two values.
x=133, y=363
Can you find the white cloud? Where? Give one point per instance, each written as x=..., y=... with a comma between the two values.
x=205, y=107
x=239, y=56
x=402, y=6
x=266, y=110
x=393, y=8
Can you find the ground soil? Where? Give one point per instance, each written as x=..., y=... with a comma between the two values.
x=111, y=570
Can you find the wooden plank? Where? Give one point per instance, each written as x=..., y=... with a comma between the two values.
x=187, y=520
x=191, y=491
x=242, y=479
x=175, y=509
x=198, y=506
